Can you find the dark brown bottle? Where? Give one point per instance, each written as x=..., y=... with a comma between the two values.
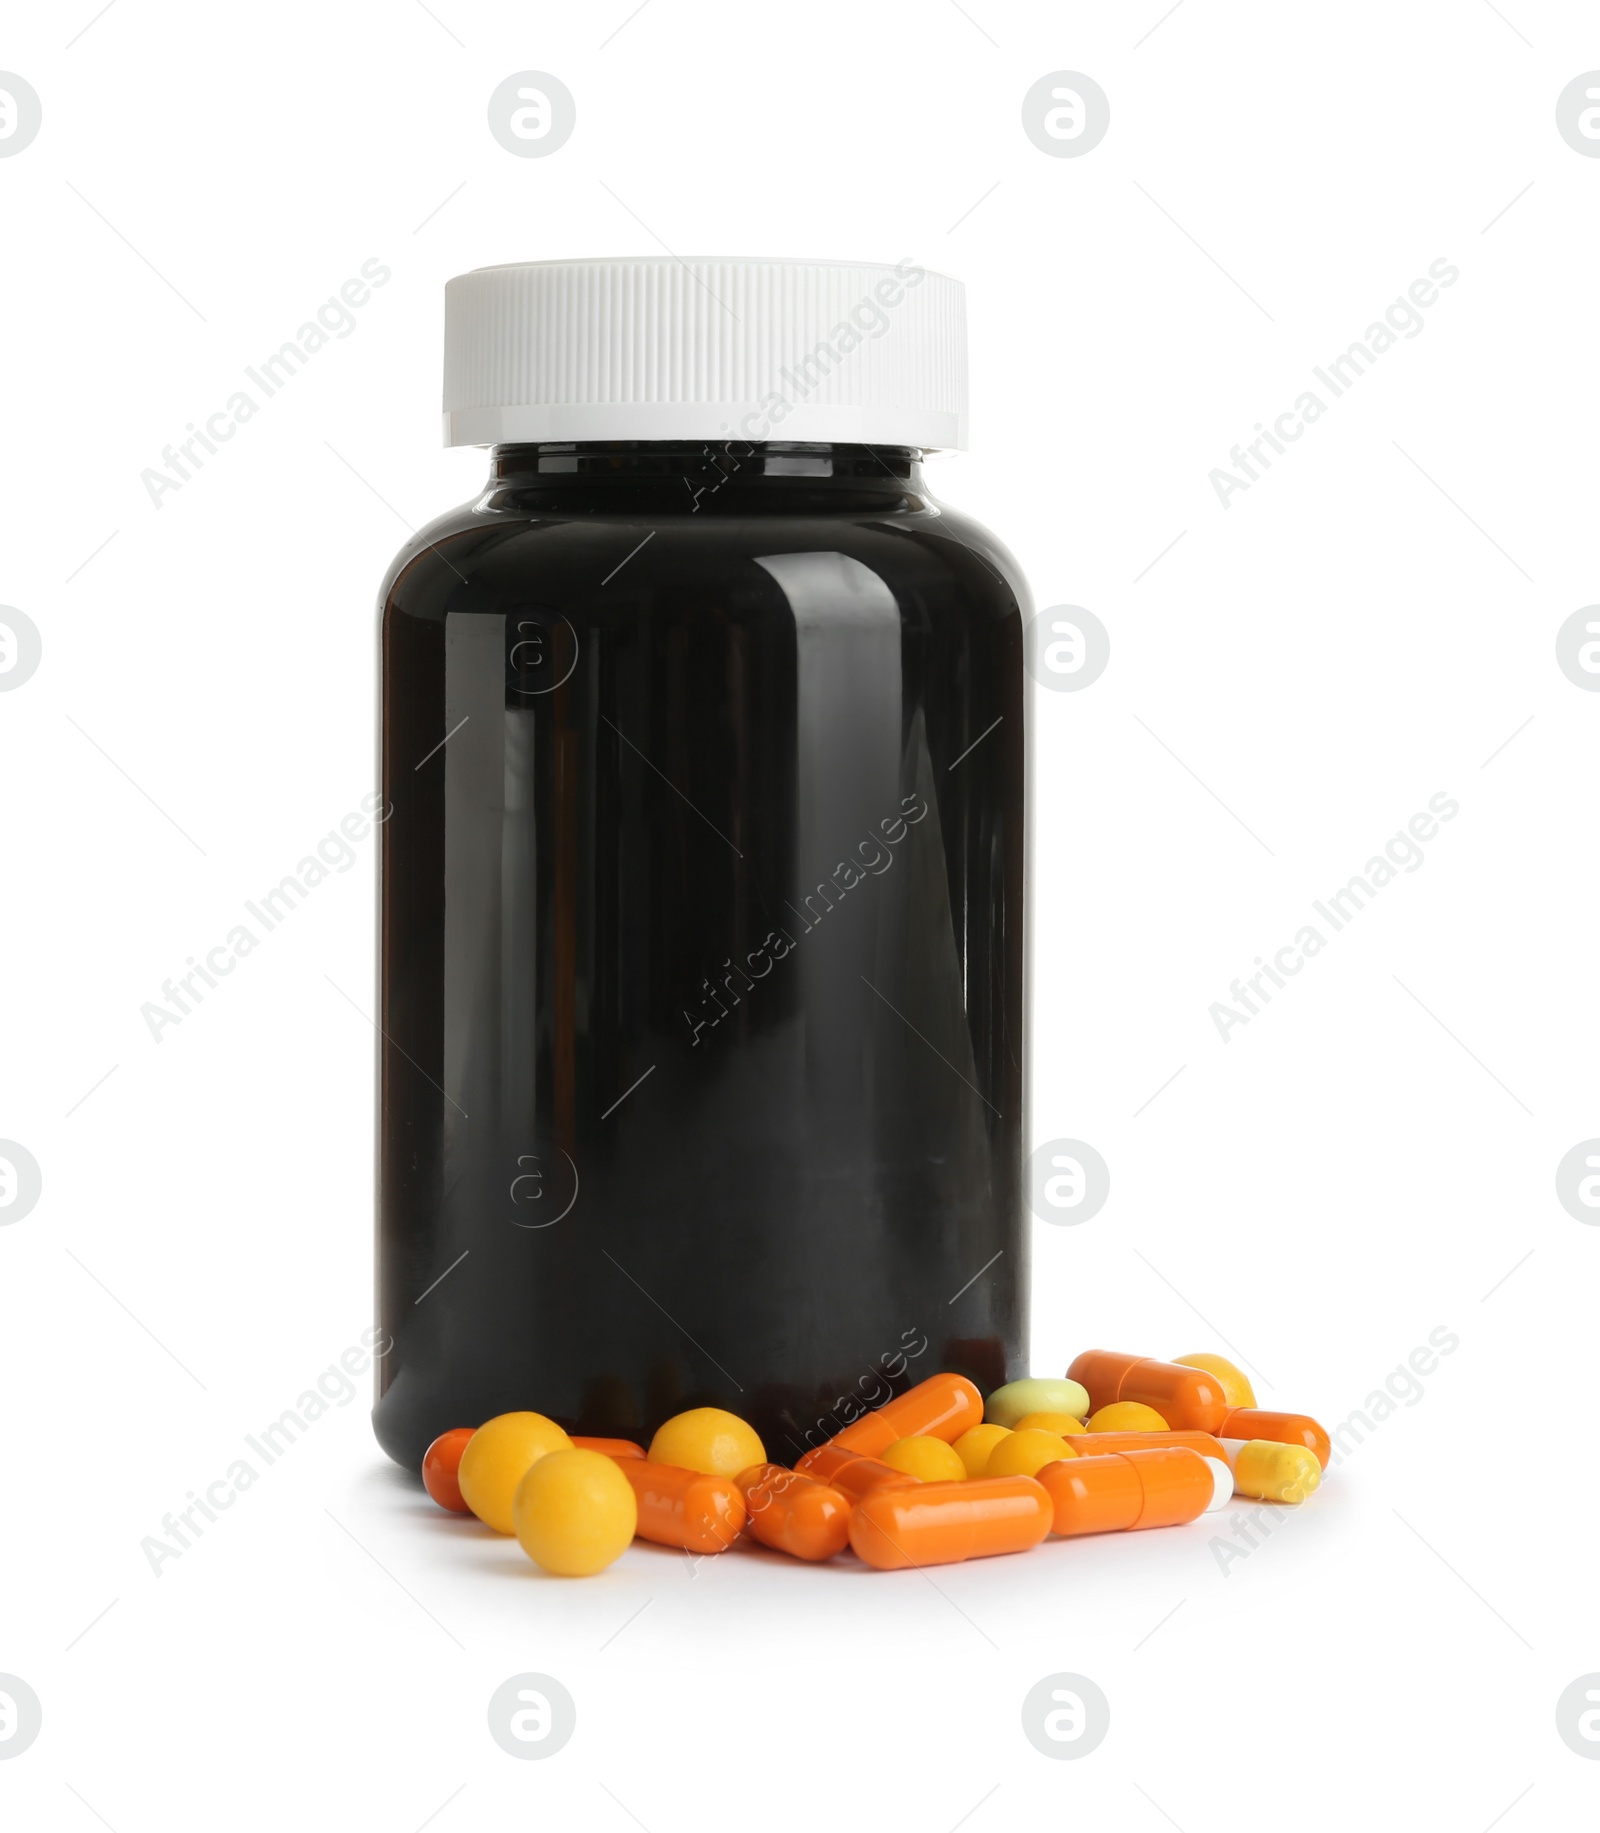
x=702, y=1071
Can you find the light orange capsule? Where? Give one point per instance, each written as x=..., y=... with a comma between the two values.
x=1282, y=1428
x=611, y=1447
x=1131, y=1489
x=1188, y=1399
x=845, y=1471
x=684, y=1508
x=795, y=1513
x=1101, y=1444
x=936, y=1524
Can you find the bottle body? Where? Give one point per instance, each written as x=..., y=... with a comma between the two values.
x=702, y=1061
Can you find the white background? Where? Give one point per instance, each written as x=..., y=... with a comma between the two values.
x=1371, y=1158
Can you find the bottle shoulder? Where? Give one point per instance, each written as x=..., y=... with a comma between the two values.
x=435, y=541
x=478, y=555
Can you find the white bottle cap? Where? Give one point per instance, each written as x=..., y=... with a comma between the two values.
x=657, y=348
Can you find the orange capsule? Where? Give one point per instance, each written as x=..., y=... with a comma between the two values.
x=440, y=1463
x=611, y=1447
x=854, y=1476
x=1282, y=1428
x=1100, y=1444
x=794, y=1513
x=943, y=1406
x=865, y=1437
x=1131, y=1489
x=1188, y=1399
x=684, y=1508
x=936, y=1524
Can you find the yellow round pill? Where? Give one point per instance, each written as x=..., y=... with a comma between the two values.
x=1063, y=1423
x=1127, y=1416
x=1025, y=1454
x=929, y=1460
x=707, y=1439
x=574, y=1512
x=1275, y=1473
x=1235, y=1383
x=497, y=1458
x=975, y=1444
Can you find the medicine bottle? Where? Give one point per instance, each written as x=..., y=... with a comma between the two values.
x=702, y=1010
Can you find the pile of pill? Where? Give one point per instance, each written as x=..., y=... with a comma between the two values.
x=934, y=1476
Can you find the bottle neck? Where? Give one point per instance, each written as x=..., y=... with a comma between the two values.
x=699, y=477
